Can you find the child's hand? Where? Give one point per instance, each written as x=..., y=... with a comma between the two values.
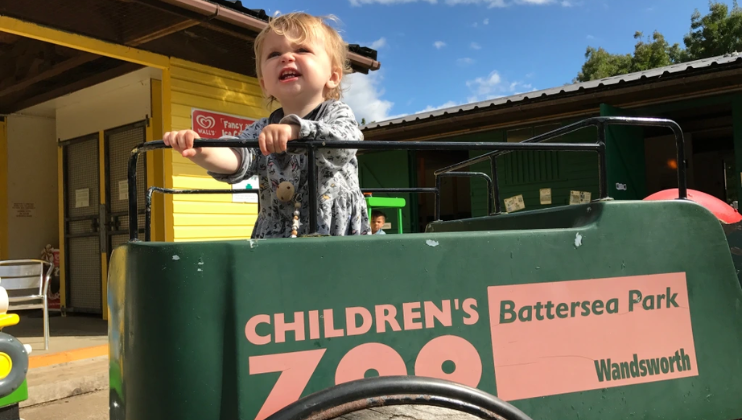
x=182, y=142
x=274, y=137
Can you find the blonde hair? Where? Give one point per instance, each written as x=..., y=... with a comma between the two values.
x=307, y=27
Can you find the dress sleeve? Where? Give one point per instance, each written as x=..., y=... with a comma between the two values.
x=248, y=157
x=338, y=124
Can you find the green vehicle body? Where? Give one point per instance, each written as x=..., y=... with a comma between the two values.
x=235, y=330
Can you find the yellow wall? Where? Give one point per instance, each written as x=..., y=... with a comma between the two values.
x=208, y=217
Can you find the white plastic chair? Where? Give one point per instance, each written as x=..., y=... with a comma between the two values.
x=27, y=283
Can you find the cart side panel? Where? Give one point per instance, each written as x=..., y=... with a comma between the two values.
x=238, y=329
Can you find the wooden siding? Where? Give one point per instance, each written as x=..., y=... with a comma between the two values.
x=209, y=217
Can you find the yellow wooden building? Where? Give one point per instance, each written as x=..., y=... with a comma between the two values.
x=81, y=83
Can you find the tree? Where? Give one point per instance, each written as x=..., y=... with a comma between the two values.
x=717, y=33
x=600, y=63
x=655, y=52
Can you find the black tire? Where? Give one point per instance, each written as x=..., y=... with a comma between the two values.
x=19, y=358
x=368, y=393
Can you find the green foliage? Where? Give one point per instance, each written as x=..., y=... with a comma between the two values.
x=717, y=33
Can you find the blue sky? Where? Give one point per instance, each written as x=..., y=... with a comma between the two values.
x=439, y=53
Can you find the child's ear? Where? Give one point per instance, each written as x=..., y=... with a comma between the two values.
x=335, y=76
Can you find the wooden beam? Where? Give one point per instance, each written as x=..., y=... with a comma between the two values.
x=176, y=27
x=69, y=88
x=82, y=43
x=204, y=21
x=56, y=70
x=79, y=60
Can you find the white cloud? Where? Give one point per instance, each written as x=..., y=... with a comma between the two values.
x=439, y=44
x=493, y=86
x=475, y=46
x=486, y=21
x=362, y=92
x=379, y=43
x=361, y=2
x=430, y=108
x=465, y=61
x=488, y=3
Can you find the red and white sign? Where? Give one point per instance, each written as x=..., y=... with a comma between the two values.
x=211, y=125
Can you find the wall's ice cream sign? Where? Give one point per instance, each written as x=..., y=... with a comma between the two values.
x=210, y=124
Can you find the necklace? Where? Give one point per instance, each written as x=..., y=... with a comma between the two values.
x=295, y=222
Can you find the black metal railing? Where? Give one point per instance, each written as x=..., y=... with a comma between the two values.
x=493, y=149
x=601, y=123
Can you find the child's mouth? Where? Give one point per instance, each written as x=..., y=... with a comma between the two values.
x=289, y=75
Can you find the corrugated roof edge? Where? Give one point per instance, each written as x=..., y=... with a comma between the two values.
x=721, y=60
x=260, y=14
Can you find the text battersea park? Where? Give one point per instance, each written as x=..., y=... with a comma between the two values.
x=509, y=312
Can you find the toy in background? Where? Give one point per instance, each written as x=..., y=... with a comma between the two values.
x=13, y=364
x=51, y=255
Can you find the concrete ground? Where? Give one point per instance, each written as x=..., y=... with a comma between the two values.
x=92, y=406
x=70, y=379
x=66, y=333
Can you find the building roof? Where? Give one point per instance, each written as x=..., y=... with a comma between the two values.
x=214, y=33
x=571, y=89
x=260, y=14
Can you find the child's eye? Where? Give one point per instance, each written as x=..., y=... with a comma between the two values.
x=273, y=54
x=303, y=50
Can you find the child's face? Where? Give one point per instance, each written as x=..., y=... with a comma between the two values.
x=377, y=223
x=296, y=74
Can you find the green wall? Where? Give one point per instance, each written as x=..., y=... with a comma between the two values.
x=392, y=169
x=625, y=157
x=737, y=123
x=527, y=173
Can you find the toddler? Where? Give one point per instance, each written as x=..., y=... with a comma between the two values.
x=300, y=61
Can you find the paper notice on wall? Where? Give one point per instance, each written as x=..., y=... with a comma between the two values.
x=82, y=197
x=251, y=183
x=24, y=209
x=123, y=190
x=514, y=203
x=579, y=197
x=387, y=225
x=545, y=195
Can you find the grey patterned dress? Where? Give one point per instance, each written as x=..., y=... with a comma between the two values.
x=341, y=207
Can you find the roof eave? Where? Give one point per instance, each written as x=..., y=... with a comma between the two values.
x=586, y=90
x=215, y=11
